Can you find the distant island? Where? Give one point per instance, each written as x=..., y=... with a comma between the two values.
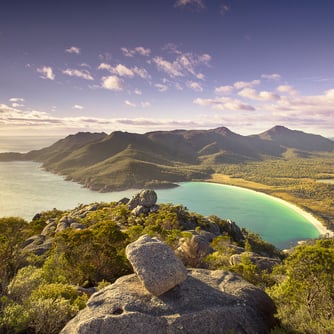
x=281, y=162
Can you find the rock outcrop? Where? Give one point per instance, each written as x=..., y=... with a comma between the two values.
x=206, y=302
x=261, y=262
x=156, y=264
x=143, y=202
x=193, y=250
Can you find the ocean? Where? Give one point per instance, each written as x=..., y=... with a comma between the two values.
x=26, y=189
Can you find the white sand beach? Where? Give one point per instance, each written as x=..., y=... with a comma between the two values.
x=314, y=221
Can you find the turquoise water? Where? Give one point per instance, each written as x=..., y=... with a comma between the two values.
x=26, y=189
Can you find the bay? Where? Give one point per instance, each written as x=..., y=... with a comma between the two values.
x=26, y=189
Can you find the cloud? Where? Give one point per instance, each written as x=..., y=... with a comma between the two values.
x=83, y=74
x=173, y=69
x=287, y=89
x=184, y=64
x=78, y=107
x=274, y=76
x=143, y=51
x=140, y=50
x=195, y=86
x=17, y=105
x=141, y=72
x=252, y=94
x=224, y=103
x=112, y=82
x=138, y=91
x=145, y=104
x=16, y=99
x=46, y=72
x=130, y=104
x=161, y=87
x=16, y=102
x=224, y=90
x=224, y=9
x=245, y=84
x=73, y=49
x=124, y=71
x=196, y=3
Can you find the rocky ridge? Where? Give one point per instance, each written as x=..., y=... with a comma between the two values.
x=198, y=301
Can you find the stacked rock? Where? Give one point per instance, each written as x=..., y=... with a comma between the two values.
x=155, y=264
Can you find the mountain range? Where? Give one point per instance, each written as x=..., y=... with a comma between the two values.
x=125, y=160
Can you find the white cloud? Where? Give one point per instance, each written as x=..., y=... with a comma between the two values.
x=140, y=50
x=78, y=107
x=252, y=94
x=16, y=99
x=141, y=72
x=138, y=91
x=200, y=76
x=173, y=69
x=105, y=66
x=183, y=65
x=224, y=103
x=143, y=51
x=286, y=89
x=124, y=71
x=16, y=102
x=224, y=90
x=245, y=84
x=46, y=72
x=195, y=86
x=83, y=74
x=130, y=104
x=161, y=87
x=196, y=3
x=145, y=104
x=273, y=76
x=73, y=49
x=112, y=82
x=224, y=9
x=17, y=105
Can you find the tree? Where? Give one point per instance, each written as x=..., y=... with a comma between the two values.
x=89, y=256
x=305, y=298
x=13, y=231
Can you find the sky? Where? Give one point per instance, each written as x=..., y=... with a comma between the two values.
x=148, y=65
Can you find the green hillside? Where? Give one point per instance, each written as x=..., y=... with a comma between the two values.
x=124, y=160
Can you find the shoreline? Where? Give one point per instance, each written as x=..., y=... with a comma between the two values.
x=323, y=230
x=308, y=216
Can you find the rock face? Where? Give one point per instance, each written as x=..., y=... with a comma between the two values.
x=194, y=250
x=156, y=264
x=146, y=199
x=207, y=302
x=261, y=262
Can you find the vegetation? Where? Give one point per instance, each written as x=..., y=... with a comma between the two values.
x=40, y=293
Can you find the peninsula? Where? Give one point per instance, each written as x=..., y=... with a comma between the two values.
x=281, y=162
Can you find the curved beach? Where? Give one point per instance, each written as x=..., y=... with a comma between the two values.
x=314, y=221
x=323, y=230
x=309, y=217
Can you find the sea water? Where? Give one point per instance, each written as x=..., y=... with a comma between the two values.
x=26, y=189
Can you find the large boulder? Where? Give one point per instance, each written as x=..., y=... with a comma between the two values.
x=146, y=198
x=156, y=264
x=194, y=250
x=207, y=302
x=261, y=262
x=37, y=244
